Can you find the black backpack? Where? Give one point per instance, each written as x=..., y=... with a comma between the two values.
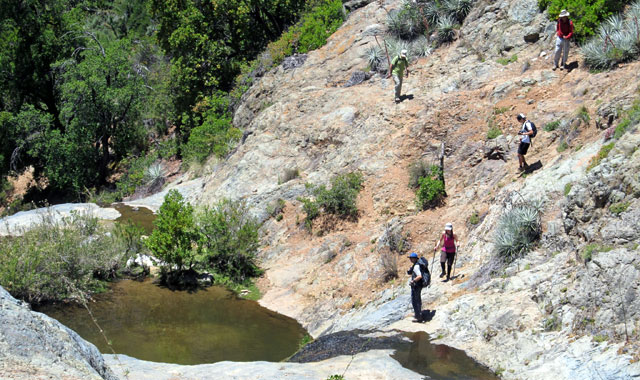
x=533, y=128
x=424, y=269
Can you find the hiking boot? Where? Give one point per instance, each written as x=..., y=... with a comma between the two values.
x=520, y=169
x=416, y=320
x=442, y=274
x=397, y=100
x=555, y=67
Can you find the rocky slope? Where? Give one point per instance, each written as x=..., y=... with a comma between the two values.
x=547, y=315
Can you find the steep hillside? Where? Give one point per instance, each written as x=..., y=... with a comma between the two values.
x=332, y=279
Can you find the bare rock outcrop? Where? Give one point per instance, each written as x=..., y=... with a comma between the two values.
x=34, y=346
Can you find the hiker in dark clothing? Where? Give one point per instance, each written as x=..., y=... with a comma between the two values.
x=416, y=287
x=449, y=241
x=525, y=141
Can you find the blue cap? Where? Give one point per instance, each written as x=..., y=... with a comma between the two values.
x=413, y=254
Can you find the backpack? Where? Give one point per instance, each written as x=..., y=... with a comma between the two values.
x=424, y=269
x=533, y=128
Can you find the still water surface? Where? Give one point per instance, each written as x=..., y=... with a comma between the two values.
x=153, y=323
x=438, y=361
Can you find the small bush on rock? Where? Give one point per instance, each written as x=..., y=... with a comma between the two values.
x=552, y=126
x=446, y=28
x=339, y=200
x=602, y=154
x=619, y=207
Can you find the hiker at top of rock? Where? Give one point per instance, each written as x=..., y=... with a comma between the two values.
x=449, y=242
x=526, y=132
x=416, y=286
x=398, y=65
x=564, y=32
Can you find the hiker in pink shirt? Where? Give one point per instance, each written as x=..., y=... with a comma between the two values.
x=449, y=242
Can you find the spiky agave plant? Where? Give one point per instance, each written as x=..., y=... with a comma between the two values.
x=395, y=46
x=458, y=9
x=375, y=56
x=430, y=12
x=446, y=28
x=517, y=231
x=421, y=47
x=155, y=171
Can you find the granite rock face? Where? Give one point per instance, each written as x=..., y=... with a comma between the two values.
x=34, y=346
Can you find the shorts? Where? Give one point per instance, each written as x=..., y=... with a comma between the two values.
x=523, y=148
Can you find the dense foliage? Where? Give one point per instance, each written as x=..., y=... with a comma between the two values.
x=88, y=88
x=222, y=239
x=57, y=259
x=430, y=188
x=585, y=14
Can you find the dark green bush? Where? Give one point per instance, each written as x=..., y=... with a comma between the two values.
x=216, y=134
x=57, y=259
x=316, y=26
x=585, y=14
x=228, y=241
x=172, y=238
x=552, y=126
x=431, y=188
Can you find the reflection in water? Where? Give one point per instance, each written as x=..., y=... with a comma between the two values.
x=149, y=322
x=439, y=361
x=137, y=215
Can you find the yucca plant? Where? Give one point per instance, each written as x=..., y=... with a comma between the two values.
x=458, y=9
x=430, y=13
x=446, y=28
x=154, y=172
x=420, y=47
x=395, y=46
x=375, y=57
x=405, y=23
x=517, y=231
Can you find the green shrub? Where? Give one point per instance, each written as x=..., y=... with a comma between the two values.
x=276, y=207
x=567, y=189
x=335, y=377
x=339, y=200
x=632, y=117
x=227, y=241
x=500, y=110
x=518, y=229
x=585, y=14
x=507, y=60
x=174, y=233
x=602, y=154
x=431, y=189
x=306, y=339
x=552, y=126
x=589, y=249
x=458, y=9
x=562, y=147
x=493, y=132
x=57, y=259
x=583, y=114
x=619, y=207
x=552, y=324
x=316, y=26
x=474, y=218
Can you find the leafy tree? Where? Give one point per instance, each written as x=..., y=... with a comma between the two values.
x=228, y=240
x=431, y=188
x=33, y=35
x=174, y=233
x=585, y=14
x=102, y=94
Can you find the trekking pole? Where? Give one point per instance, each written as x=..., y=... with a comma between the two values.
x=455, y=258
x=432, y=260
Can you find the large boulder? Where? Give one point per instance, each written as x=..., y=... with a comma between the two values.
x=34, y=346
